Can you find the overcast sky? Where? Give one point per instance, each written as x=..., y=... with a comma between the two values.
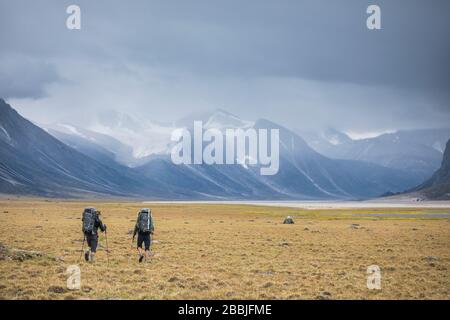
x=304, y=64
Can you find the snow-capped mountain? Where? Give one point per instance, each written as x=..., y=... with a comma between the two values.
x=303, y=174
x=218, y=119
x=417, y=151
x=145, y=137
x=98, y=146
x=34, y=162
x=132, y=141
x=129, y=140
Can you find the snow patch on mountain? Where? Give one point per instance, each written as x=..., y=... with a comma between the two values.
x=223, y=120
x=145, y=140
x=437, y=145
x=5, y=134
x=9, y=175
x=72, y=130
x=335, y=137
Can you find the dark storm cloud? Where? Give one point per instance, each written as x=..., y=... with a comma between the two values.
x=313, y=60
x=25, y=78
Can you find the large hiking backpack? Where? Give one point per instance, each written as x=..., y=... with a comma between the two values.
x=145, y=221
x=89, y=216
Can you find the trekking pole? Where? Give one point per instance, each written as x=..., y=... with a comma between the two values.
x=107, y=250
x=82, y=248
x=131, y=248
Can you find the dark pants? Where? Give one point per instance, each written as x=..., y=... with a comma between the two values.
x=92, y=241
x=144, y=238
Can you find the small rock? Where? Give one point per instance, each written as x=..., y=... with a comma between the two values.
x=266, y=273
x=56, y=289
x=325, y=295
x=431, y=259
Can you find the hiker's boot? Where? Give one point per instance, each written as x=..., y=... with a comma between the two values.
x=148, y=255
x=86, y=255
x=92, y=258
x=141, y=257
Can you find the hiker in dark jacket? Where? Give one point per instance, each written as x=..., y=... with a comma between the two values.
x=144, y=228
x=92, y=236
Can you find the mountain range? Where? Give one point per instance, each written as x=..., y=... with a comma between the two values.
x=33, y=162
x=126, y=157
x=417, y=151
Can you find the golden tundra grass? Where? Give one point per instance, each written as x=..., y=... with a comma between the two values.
x=227, y=252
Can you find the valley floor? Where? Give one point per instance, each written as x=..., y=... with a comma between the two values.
x=227, y=251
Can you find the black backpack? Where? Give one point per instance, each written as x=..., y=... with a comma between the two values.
x=89, y=216
x=145, y=222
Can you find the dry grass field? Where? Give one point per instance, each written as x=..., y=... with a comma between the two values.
x=226, y=252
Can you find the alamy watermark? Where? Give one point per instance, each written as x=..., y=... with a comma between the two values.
x=373, y=277
x=73, y=273
x=234, y=146
x=73, y=21
x=373, y=22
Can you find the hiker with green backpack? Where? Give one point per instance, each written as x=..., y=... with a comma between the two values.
x=91, y=222
x=144, y=228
